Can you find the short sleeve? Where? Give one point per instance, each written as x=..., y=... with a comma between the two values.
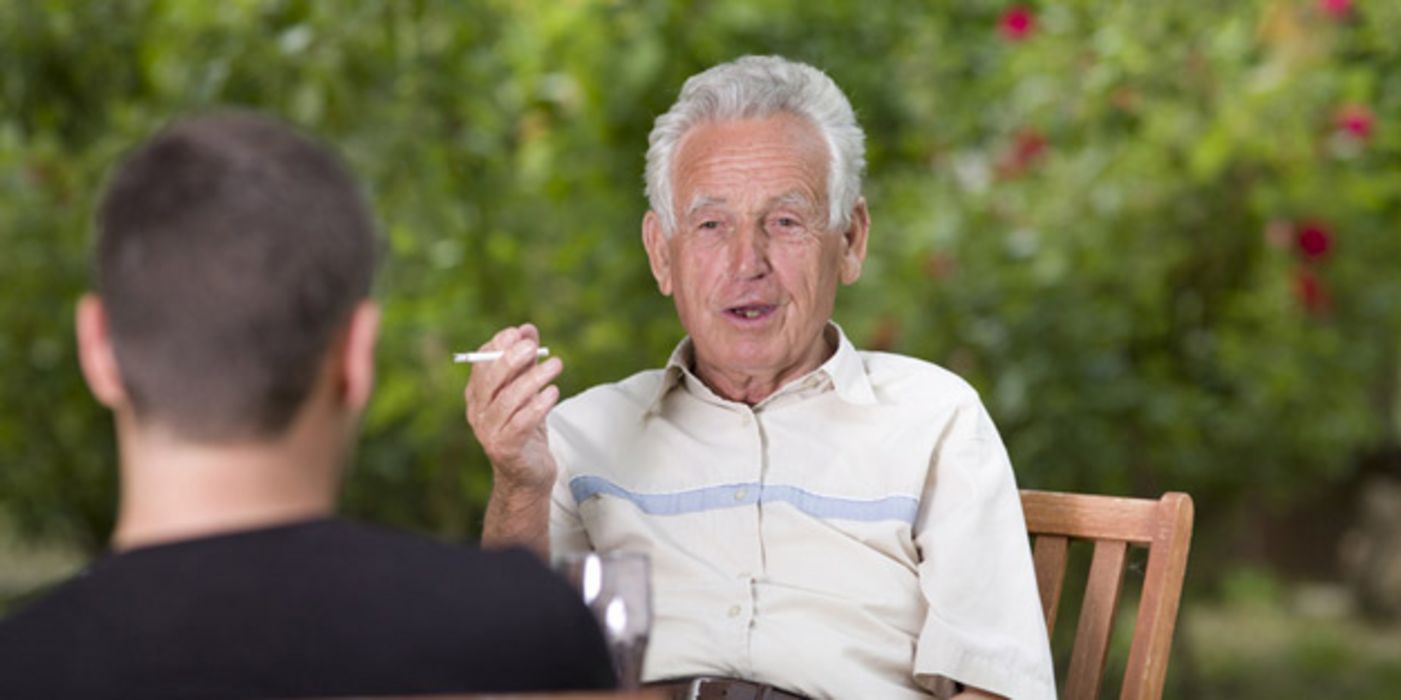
x=567, y=532
x=566, y=528
x=984, y=625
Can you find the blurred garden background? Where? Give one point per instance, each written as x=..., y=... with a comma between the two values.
x=1161, y=238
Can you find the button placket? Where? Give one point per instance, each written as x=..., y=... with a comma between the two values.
x=740, y=613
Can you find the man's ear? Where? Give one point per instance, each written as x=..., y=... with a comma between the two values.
x=855, y=236
x=95, y=354
x=658, y=254
x=357, y=378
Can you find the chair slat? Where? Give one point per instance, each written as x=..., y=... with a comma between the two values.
x=1146, y=670
x=1091, y=517
x=1096, y=620
x=1049, y=555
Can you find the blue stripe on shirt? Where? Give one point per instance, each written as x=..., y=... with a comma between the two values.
x=899, y=508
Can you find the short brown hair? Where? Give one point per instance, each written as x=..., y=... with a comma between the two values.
x=230, y=251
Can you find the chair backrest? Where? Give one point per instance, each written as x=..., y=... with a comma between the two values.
x=1164, y=526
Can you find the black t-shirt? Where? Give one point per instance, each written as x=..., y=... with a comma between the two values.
x=323, y=607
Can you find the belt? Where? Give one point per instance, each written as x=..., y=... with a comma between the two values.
x=712, y=688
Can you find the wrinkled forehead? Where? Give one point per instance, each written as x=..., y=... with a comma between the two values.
x=782, y=158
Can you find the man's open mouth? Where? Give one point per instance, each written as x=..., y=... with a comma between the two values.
x=751, y=311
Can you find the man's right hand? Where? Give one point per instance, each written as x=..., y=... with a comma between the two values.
x=507, y=401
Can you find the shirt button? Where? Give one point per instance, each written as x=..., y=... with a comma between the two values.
x=740, y=494
x=734, y=611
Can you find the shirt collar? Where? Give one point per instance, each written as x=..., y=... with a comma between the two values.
x=844, y=369
x=848, y=371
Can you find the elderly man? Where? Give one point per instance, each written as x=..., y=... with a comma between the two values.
x=233, y=338
x=821, y=521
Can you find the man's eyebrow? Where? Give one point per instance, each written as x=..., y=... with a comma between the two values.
x=792, y=198
x=702, y=202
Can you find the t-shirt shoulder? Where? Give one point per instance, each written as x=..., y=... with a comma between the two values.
x=512, y=563
x=38, y=612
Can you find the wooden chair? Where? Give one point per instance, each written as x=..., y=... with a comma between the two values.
x=1164, y=526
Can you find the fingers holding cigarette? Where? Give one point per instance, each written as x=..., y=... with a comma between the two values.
x=504, y=358
x=508, y=396
x=502, y=343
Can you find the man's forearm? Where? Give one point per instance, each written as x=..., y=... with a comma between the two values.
x=518, y=517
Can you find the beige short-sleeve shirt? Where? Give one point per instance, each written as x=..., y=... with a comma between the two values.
x=856, y=534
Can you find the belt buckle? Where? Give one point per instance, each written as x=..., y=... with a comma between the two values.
x=700, y=684
x=727, y=687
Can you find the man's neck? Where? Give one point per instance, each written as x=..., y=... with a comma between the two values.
x=175, y=489
x=752, y=387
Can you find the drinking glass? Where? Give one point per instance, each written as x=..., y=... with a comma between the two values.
x=617, y=588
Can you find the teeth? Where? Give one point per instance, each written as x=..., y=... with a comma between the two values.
x=750, y=311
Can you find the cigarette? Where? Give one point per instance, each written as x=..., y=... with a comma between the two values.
x=490, y=355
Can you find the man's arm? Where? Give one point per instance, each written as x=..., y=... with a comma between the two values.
x=507, y=401
x=516, y=516
x=984, y=627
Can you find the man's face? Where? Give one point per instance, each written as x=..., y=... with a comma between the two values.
x=752, y=264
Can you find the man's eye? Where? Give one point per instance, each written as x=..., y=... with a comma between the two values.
x=709, y=225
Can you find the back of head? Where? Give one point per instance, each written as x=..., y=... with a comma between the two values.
x=756, y=87
x=230, y=251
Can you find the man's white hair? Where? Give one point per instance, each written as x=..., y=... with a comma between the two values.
x=758, y=87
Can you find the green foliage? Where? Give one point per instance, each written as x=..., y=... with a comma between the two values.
x=1262, y=640
x=1075, y=221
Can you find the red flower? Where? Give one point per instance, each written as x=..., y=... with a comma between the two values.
x=1016, y=23
x=1315, y=240
x=1337, y=9
x=1309, y=290
x=1028, y=145
x=1355, y=120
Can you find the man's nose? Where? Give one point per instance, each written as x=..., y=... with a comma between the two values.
x=749, y=252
